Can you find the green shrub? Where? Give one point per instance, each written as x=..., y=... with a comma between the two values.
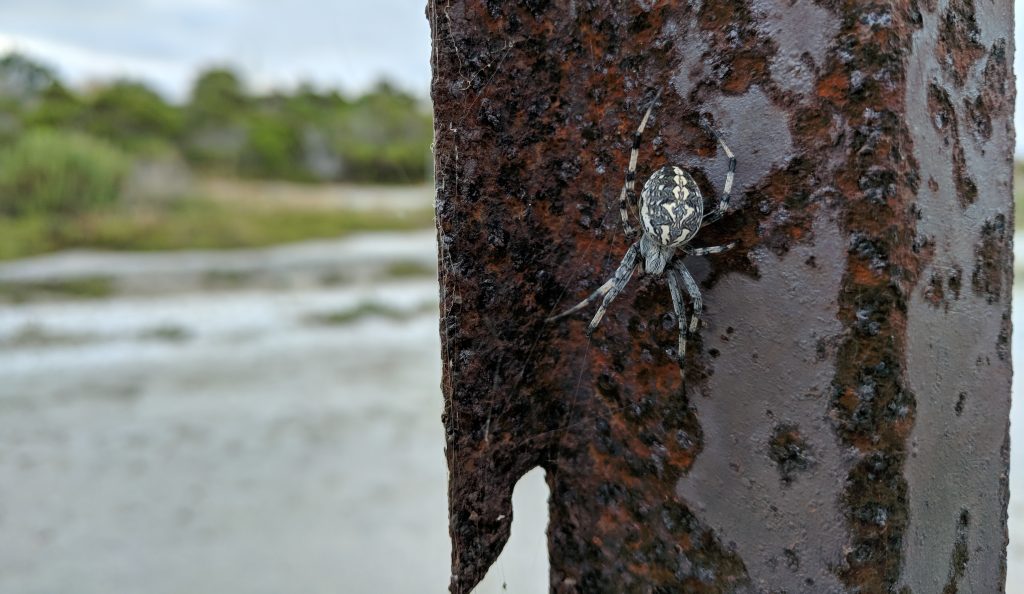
x=59, y=172
x=381, y=136
x=129, y=114
x=273, y=150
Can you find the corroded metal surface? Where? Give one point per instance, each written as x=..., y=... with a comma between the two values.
x=842, y=423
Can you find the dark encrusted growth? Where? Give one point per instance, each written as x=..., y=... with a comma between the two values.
x=960, y=556
x=990, y=260
x=959, y=45
x=996, y=90
x=790, y=452
x=872, y=407
x=944, y=118
x=942, y=289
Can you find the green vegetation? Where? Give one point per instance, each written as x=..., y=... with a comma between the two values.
x=308, y=135
x=192, y=223
x=32, y=336
x=368, y=309
x=90, y=287
x=166, y=333
x=406, y=269
x=59, y=173
x=113, y=167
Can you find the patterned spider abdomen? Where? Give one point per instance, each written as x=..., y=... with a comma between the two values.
x=671, y=207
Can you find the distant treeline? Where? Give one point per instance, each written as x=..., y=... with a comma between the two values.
x=382, y=136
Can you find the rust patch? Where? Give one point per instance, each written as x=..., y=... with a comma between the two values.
x=730, y=24
x=990, y=260
x=942, y=288
x=978, y=115
x=959, y=45
x=944, y=119
x=991, y=98
x=790, y=452
x=1003, y=340
x=872, y=408
x=960, y=556
x=934, y=293
x=996, y=88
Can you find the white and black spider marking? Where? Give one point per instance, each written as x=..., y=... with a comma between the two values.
x=671, y=206
x=671, y=213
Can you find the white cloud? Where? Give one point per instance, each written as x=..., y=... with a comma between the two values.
x=332, y=44
x=80, y=66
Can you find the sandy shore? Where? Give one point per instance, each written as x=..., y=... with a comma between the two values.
x=272, y=438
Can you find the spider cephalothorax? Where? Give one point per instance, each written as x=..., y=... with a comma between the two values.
x=671, y=212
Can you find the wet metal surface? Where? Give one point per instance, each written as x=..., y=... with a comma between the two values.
x=766, y=499
x=840, y=191
x=957, y=321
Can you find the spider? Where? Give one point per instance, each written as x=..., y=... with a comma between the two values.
x=671, y=212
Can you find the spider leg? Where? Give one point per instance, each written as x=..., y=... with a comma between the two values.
x=705, y=251
x=621, y=279
x=625, y=268
x=691, y=288
x=680, y=307
x=598, y=293
x=626, y=196
x=723, y=203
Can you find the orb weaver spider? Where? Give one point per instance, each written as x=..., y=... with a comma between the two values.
x=671, y=212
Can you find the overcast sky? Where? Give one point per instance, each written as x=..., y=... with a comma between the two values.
x=344, y=44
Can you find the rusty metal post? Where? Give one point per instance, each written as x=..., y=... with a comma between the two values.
x=842, y=423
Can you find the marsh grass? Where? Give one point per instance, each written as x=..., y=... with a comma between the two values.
x=166, y=333
x=33, y=336
x=91, y=287
x=366, y=310
x=193, y=224
x=409, y=269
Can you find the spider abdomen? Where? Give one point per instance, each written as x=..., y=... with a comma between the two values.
x=671, y=206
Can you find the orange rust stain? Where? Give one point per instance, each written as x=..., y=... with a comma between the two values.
x=864, y=275
x=849, y=399
x=746, y=69
x=834, y=87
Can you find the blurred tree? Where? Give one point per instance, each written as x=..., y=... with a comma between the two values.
x=58, y=107
x=218, y=96
x=304, y=135
x=131, y=115
x=23, y=79
x=273, y=148
x=384, y=136
x=215, y=134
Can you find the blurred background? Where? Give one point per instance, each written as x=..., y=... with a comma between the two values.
x=219, y=360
